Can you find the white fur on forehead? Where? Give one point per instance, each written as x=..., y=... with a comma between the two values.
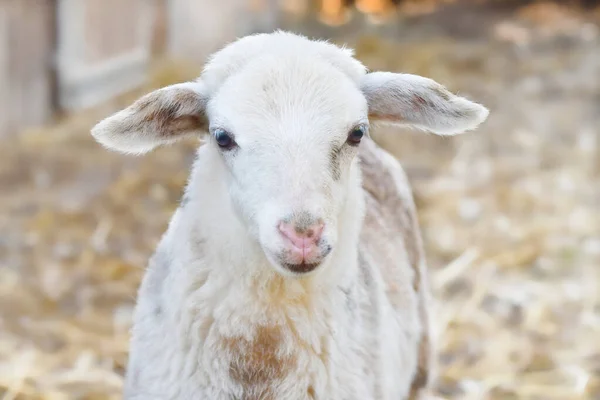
x=308, y=95
x=238, y=54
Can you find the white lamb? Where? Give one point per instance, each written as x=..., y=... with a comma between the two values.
x=293, y=268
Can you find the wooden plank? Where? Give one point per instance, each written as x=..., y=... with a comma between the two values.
x=36, y=65
x=111, y=28
x=25, y=63
x=103, y=50
x=199, y=27
x=4, y=69
x=160, y=27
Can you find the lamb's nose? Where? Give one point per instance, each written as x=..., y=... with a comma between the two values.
x=303, y=237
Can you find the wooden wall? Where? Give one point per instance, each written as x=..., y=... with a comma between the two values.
x=199, y=27
x=74, y=54
x=26, y=73
x=104, y=48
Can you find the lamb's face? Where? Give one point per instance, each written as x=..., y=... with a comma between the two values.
x=286, y=116
x=288, y=134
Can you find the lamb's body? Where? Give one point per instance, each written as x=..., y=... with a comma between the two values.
x=293, y=269
x=204, y=330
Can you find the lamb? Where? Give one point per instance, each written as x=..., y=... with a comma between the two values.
x=293, y=268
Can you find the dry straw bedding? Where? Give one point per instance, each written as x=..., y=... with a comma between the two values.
x=510, y=215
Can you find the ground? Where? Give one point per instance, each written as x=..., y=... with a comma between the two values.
x=510, y=216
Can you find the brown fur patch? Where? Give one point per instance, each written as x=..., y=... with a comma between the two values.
x=420, y=101
x=173, y=117
x=420, y=382
x=186, y=98
x=394, y=211
x=391, y=213
x=257, y=364
x=384, y=116
x=184, y=124
x=334, y=162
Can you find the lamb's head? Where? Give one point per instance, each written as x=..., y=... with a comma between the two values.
x=285, y=118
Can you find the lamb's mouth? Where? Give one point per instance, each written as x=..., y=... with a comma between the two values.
x=302, y=268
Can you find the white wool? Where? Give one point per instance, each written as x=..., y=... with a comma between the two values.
x=220, y=315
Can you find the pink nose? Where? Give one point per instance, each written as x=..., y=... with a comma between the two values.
x=304, y=238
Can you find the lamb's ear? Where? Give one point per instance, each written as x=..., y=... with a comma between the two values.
x=160, y=117
x=420, y=102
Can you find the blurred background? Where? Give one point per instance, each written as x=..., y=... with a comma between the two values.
x=510, y=213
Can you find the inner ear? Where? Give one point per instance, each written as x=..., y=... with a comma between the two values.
x=420, y=102
x=160, y=117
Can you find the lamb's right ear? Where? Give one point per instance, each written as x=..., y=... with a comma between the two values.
x=160, y=117
x=406, y=99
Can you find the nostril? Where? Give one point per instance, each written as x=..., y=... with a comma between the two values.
x=301, y=237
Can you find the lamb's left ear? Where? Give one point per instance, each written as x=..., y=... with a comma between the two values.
x=160, y=117
x=413, y=100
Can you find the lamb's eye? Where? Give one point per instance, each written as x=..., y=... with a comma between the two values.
x=224, y=139
x=356, y=134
